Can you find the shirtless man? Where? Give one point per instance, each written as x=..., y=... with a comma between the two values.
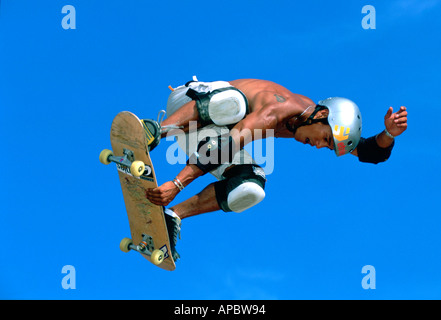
x=247, y=106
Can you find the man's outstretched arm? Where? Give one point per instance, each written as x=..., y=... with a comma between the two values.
x=378, y=148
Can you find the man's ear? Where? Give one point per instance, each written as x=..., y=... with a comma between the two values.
x=322, y=114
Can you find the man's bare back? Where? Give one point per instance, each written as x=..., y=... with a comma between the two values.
x=271, y=105
x=263, y=92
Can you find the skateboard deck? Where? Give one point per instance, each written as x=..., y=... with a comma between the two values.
x=148, y=229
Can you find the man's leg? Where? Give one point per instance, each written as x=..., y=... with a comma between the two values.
x=243, y=188
x=205, y=201
x=181, y=118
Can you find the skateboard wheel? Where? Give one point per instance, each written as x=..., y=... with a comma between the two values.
x=104, y=156
x=137, y=168
x=124, y=244
x=157, y=257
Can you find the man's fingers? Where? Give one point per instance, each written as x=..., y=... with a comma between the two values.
x=157, y=203
x=400, y=120
x=156, y=200
x=389, y=112
x=160, y=202
x=156, y=197
x=401, y=112
x=153, y=194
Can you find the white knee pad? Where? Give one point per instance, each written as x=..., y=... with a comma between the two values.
x=218, y=102
x=227, y=107
x=245, y=196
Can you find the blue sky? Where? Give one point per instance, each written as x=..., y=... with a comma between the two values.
x=323, y=217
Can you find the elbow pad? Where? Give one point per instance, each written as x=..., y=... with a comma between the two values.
x=369, y=151
x=212, y=152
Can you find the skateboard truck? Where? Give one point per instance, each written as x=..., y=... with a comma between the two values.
x=145, y=247
x=125, y=163
x=125, y=160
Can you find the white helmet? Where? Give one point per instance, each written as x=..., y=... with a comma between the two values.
x=345, y=121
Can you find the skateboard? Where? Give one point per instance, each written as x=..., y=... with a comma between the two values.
x=148, y=229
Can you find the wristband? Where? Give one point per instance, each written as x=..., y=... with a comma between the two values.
x=388, y=134
x=178, y=184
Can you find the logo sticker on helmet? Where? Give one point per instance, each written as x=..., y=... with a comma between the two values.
x=341, y=149
x=340, y=133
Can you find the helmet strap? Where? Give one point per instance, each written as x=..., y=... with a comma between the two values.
x=309, y=121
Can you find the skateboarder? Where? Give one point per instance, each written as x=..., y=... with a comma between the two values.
x=242, y=108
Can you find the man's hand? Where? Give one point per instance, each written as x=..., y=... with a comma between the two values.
x=396, y=122
x=162, y=195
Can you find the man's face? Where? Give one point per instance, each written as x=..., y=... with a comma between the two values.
x=318, y=135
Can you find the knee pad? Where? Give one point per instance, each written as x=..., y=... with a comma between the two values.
x=242, y=188
x=245, y=196
x=218, y=102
